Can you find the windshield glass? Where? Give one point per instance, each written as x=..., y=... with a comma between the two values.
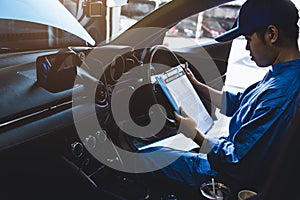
x=18, y=35
x=34, y=24
x=38, y=25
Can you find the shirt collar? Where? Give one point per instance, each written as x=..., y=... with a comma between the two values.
x=293, y=63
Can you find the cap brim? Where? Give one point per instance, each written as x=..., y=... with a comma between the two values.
x=229, y=35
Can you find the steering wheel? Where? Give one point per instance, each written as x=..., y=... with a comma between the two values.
x=156, y=60
x=162, y=59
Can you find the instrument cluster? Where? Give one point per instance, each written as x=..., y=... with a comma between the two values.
x=119, y=66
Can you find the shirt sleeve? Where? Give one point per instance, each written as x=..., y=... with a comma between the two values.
x=230, y=103
x=231, y=150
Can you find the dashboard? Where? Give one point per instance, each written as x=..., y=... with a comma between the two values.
x=41, y=95
x=112, y=83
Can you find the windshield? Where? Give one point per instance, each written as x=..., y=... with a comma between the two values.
x=34, y=24
x=49, y=24
x=18, y=35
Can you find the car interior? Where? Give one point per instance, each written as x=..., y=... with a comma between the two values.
x=49, y=98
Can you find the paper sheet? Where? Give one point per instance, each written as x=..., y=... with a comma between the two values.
x=183, y=94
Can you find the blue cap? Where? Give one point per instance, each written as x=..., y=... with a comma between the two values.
x=256, y=14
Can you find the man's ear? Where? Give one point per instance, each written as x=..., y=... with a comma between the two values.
x=272, y=34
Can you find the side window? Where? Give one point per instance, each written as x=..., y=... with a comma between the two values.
x=202, y=27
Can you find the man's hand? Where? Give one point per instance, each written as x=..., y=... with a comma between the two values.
x=189, y=73
x=187, y=125
x=207, y=92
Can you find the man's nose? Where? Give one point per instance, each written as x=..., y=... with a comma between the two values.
x=248, y=46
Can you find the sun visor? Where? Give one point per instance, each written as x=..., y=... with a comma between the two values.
x=48, y=12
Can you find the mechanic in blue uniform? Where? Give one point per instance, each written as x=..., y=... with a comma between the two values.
x=260, y=115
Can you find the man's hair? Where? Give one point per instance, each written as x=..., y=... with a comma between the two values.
x=288, y=31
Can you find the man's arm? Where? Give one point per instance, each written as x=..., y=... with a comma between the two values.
x=209, y=93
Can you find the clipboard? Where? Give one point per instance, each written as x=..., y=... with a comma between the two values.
x=180, y=92
x=165, y=78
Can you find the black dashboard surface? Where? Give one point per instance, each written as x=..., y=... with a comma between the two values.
x=20, y=94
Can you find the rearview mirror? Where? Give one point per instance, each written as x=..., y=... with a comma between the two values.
x=93, y=8
x=138, y=8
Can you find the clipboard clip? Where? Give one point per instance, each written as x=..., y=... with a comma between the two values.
x=173, y=74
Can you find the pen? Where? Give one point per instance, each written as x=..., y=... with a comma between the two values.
x=186, y=65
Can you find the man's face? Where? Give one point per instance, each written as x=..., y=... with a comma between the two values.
x=260, y=52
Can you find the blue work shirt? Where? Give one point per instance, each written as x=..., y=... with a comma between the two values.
x=260, y=118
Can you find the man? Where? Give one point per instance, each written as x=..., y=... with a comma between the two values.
x=260, y=115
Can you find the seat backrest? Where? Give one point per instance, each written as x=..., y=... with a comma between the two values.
x=283, y=178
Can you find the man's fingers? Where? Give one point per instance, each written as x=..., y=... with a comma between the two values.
x=177, y=116
x=183, y=113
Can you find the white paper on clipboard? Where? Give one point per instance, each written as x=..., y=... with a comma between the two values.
x=183, y=94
